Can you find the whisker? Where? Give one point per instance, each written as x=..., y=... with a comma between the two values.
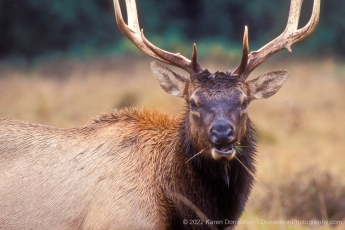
x=252, y=174
x=196, y=155
x=240, y=149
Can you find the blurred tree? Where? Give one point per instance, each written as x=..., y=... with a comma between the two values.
x=34, y=27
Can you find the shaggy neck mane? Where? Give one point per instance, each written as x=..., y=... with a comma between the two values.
x=217, y=188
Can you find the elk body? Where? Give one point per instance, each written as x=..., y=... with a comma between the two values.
x=142, y=169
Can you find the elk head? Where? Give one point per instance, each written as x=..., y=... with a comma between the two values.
x=217, y=103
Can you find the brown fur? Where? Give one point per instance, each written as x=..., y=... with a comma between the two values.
x=67, y=179
x=115, y=173
x=121, y=171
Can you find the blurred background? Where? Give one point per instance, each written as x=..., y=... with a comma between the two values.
x=32, y=28
x=64, y=62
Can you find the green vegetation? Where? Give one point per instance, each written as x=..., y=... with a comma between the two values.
x=31, y=28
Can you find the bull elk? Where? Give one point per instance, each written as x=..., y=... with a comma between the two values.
x=136, y=168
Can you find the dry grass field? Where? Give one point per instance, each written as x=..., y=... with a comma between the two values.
x=301, y=129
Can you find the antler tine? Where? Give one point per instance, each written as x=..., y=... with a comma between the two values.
x=192, y=67
x=132, y=30
x=290, y=36
x=194, y=64
x=133, y=33
x=245, y=52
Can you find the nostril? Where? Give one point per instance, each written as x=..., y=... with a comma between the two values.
x=214, y=139
x=229, y=133
x=214, y=135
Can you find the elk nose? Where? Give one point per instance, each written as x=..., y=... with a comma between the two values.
x=221, y=132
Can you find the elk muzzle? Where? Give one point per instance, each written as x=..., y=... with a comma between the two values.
x=222, y=139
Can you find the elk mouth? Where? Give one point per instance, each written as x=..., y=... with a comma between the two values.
x=225, y=151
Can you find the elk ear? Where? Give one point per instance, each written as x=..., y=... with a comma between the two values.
x=170, y=81
x=267, y=84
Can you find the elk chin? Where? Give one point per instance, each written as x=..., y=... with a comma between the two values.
x=223, y=151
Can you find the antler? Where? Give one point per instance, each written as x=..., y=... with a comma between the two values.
x=290, y=36
x=133, y=33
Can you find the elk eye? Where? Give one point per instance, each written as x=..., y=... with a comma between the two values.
x=193, y=105
x=244, y=103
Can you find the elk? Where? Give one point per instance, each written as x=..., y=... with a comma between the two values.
x=136, y=168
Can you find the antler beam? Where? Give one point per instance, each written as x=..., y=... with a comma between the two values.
x=133, y=33
x=290, y=36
